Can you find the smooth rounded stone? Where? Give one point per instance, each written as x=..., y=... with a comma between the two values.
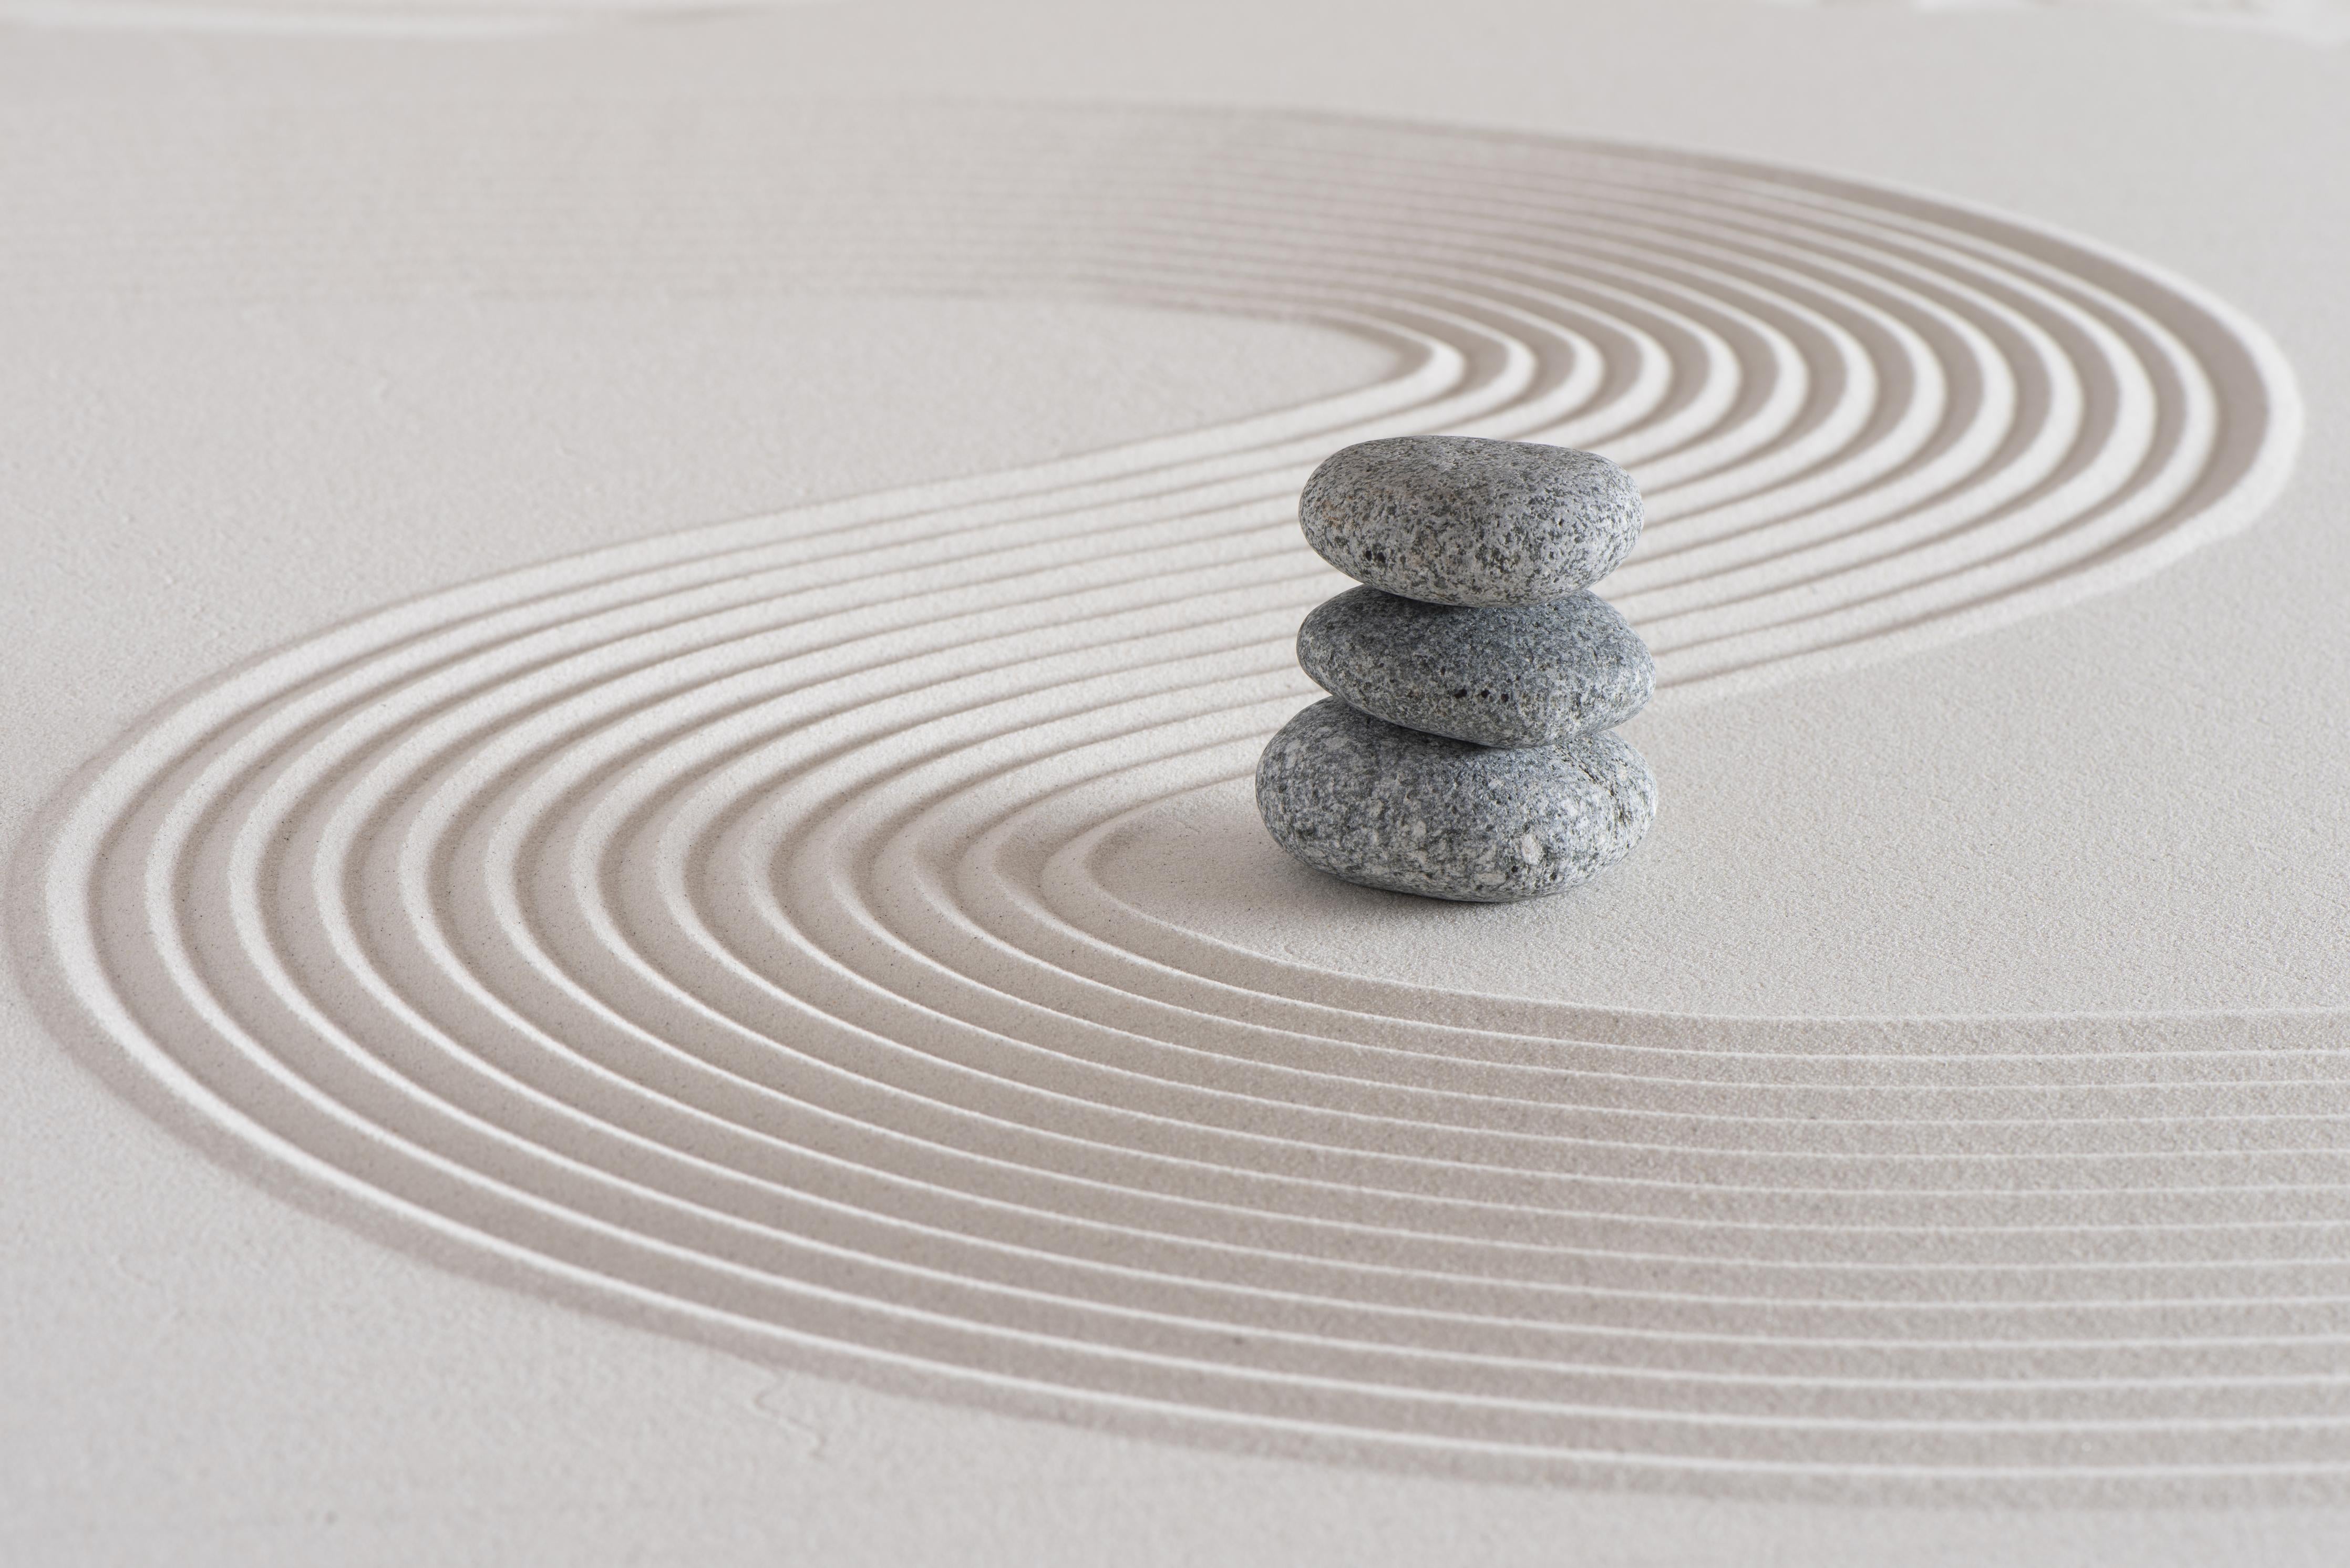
x=1388, y=808
x=1459, y=520
x=1502, y=675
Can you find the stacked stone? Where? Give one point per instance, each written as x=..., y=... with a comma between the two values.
x=1464, y=752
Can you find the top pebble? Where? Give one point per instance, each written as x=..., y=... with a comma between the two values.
x=1459, y=520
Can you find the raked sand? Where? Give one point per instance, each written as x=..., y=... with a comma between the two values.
x=836, y=944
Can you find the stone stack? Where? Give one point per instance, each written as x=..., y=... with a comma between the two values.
x=1464, y=752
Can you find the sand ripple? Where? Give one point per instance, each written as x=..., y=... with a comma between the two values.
x=708, y=928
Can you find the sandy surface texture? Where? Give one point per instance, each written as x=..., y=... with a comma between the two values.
x=637, y=927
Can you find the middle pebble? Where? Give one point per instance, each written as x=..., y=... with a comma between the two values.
x=1518, y=675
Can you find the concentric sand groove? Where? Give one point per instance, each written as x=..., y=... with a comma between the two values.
x=713, y=925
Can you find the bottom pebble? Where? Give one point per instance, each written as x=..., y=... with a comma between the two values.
x=1390, y=807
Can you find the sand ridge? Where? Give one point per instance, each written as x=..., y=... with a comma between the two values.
x=709, y=920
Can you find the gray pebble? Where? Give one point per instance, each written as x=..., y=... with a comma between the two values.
x=1505, y=675
x=1459, y=519
x=1373, y=803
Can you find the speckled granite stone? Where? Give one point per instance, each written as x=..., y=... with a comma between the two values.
x=1507, y=675
x=1459, y=519
x=1390, y=807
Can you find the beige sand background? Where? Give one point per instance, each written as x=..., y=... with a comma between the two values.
x=269, y=370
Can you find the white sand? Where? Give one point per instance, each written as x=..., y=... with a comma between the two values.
x=2312, y=21
x=835, y=944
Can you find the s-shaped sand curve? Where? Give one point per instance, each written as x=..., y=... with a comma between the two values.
x=711, y=928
